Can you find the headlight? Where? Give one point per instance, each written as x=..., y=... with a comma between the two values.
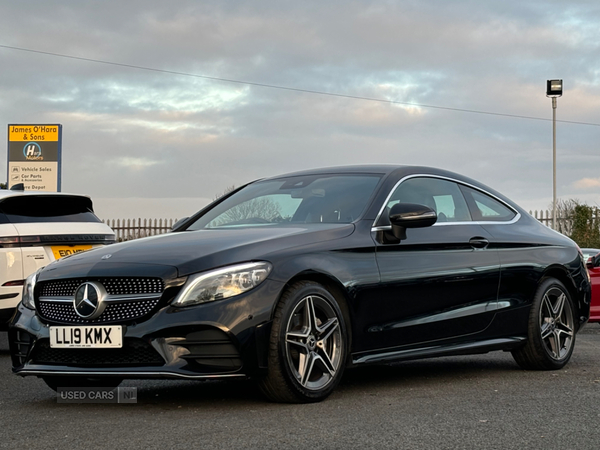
x=27, y=298
x=222, y=283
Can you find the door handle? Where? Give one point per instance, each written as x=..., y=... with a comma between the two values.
x=479, y=242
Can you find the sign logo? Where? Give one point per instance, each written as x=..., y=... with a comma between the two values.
x=34, y=156
x=89, y=300
x=33, y=151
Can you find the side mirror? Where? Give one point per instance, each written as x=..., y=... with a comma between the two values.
x=178, y=223
x=410, y=215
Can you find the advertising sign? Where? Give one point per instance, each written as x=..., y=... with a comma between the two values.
x=34, y=156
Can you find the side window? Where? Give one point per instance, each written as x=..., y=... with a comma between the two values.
x=443, y=196
x=486, y=208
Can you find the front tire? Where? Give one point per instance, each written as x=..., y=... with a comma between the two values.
x=551, y=331
x=307, y=347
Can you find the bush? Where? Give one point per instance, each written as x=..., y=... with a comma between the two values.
x=585, y=225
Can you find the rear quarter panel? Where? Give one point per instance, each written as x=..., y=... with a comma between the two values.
x=529, y=252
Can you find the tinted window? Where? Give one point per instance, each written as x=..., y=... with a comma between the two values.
x=309, y=199
x=443, y=196
x=486, y=208
x=47, y=208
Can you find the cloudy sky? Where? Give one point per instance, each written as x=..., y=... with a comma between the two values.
x=162, y=142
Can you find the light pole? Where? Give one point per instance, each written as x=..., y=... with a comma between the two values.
x=554, y=89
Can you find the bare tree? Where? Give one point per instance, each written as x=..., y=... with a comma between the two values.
x=260, y=209
x=227, y=190
x=565, y=211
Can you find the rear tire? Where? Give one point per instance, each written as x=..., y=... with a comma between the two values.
x=307, y=347
x=66, y=382
x=551, y=330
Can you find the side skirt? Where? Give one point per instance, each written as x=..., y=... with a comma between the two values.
x=467, y=348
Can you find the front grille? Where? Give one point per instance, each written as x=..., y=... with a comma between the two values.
x=135, y=352
x=113, y=286
x=64, y=312
x=128, y=299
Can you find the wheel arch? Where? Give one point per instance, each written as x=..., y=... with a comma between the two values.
x=334, y=286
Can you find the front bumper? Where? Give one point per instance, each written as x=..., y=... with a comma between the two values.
x=221, y=339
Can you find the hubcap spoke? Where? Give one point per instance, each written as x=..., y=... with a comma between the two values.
x=563, y=328
x=307, y=362
x=546, y=331
x=558, y=307
x=312, y=317
x=327, y=328
x=297, y=339
x=546, y=305
x=324, y=358
x=554, y=344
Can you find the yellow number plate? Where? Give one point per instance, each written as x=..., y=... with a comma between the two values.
x=61, y=251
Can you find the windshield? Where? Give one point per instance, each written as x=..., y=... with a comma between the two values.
x=302, y=199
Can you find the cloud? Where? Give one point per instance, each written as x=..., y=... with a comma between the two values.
x=133, y=163
x=587, y=183
x=159, y=135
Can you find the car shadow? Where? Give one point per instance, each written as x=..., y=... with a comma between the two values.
x=191, y=394
x=4, y=343
x=441, y=369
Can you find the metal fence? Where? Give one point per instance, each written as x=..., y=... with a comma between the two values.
x=544, y=216
x=564, y=225
x=126, y=230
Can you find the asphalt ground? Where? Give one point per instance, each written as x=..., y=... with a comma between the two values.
x=473, y=402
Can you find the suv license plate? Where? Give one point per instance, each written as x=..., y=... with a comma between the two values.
x=86, y=337
x=61, y=251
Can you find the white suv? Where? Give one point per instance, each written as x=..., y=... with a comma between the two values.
x=37, y=228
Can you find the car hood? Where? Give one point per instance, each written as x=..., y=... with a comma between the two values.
x=193, y=251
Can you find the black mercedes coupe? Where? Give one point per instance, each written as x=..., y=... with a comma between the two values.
x=292, y=279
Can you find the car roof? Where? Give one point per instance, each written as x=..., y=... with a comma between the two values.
x=367, y=168
x=382, y=169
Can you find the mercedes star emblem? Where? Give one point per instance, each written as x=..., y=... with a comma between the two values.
x=89, y=300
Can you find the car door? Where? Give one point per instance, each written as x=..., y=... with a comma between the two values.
x=594, y=270
x=441, y=282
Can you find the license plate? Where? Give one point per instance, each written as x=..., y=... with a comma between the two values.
x=86, y=337
x=61, y=251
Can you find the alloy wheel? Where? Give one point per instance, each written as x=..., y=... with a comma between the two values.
x=556, y=323
x=313, y=342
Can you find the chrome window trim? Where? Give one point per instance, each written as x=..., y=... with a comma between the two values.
x=441, y=177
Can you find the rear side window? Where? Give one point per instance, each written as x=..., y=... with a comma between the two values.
x=47, y=208
x=486, y=208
